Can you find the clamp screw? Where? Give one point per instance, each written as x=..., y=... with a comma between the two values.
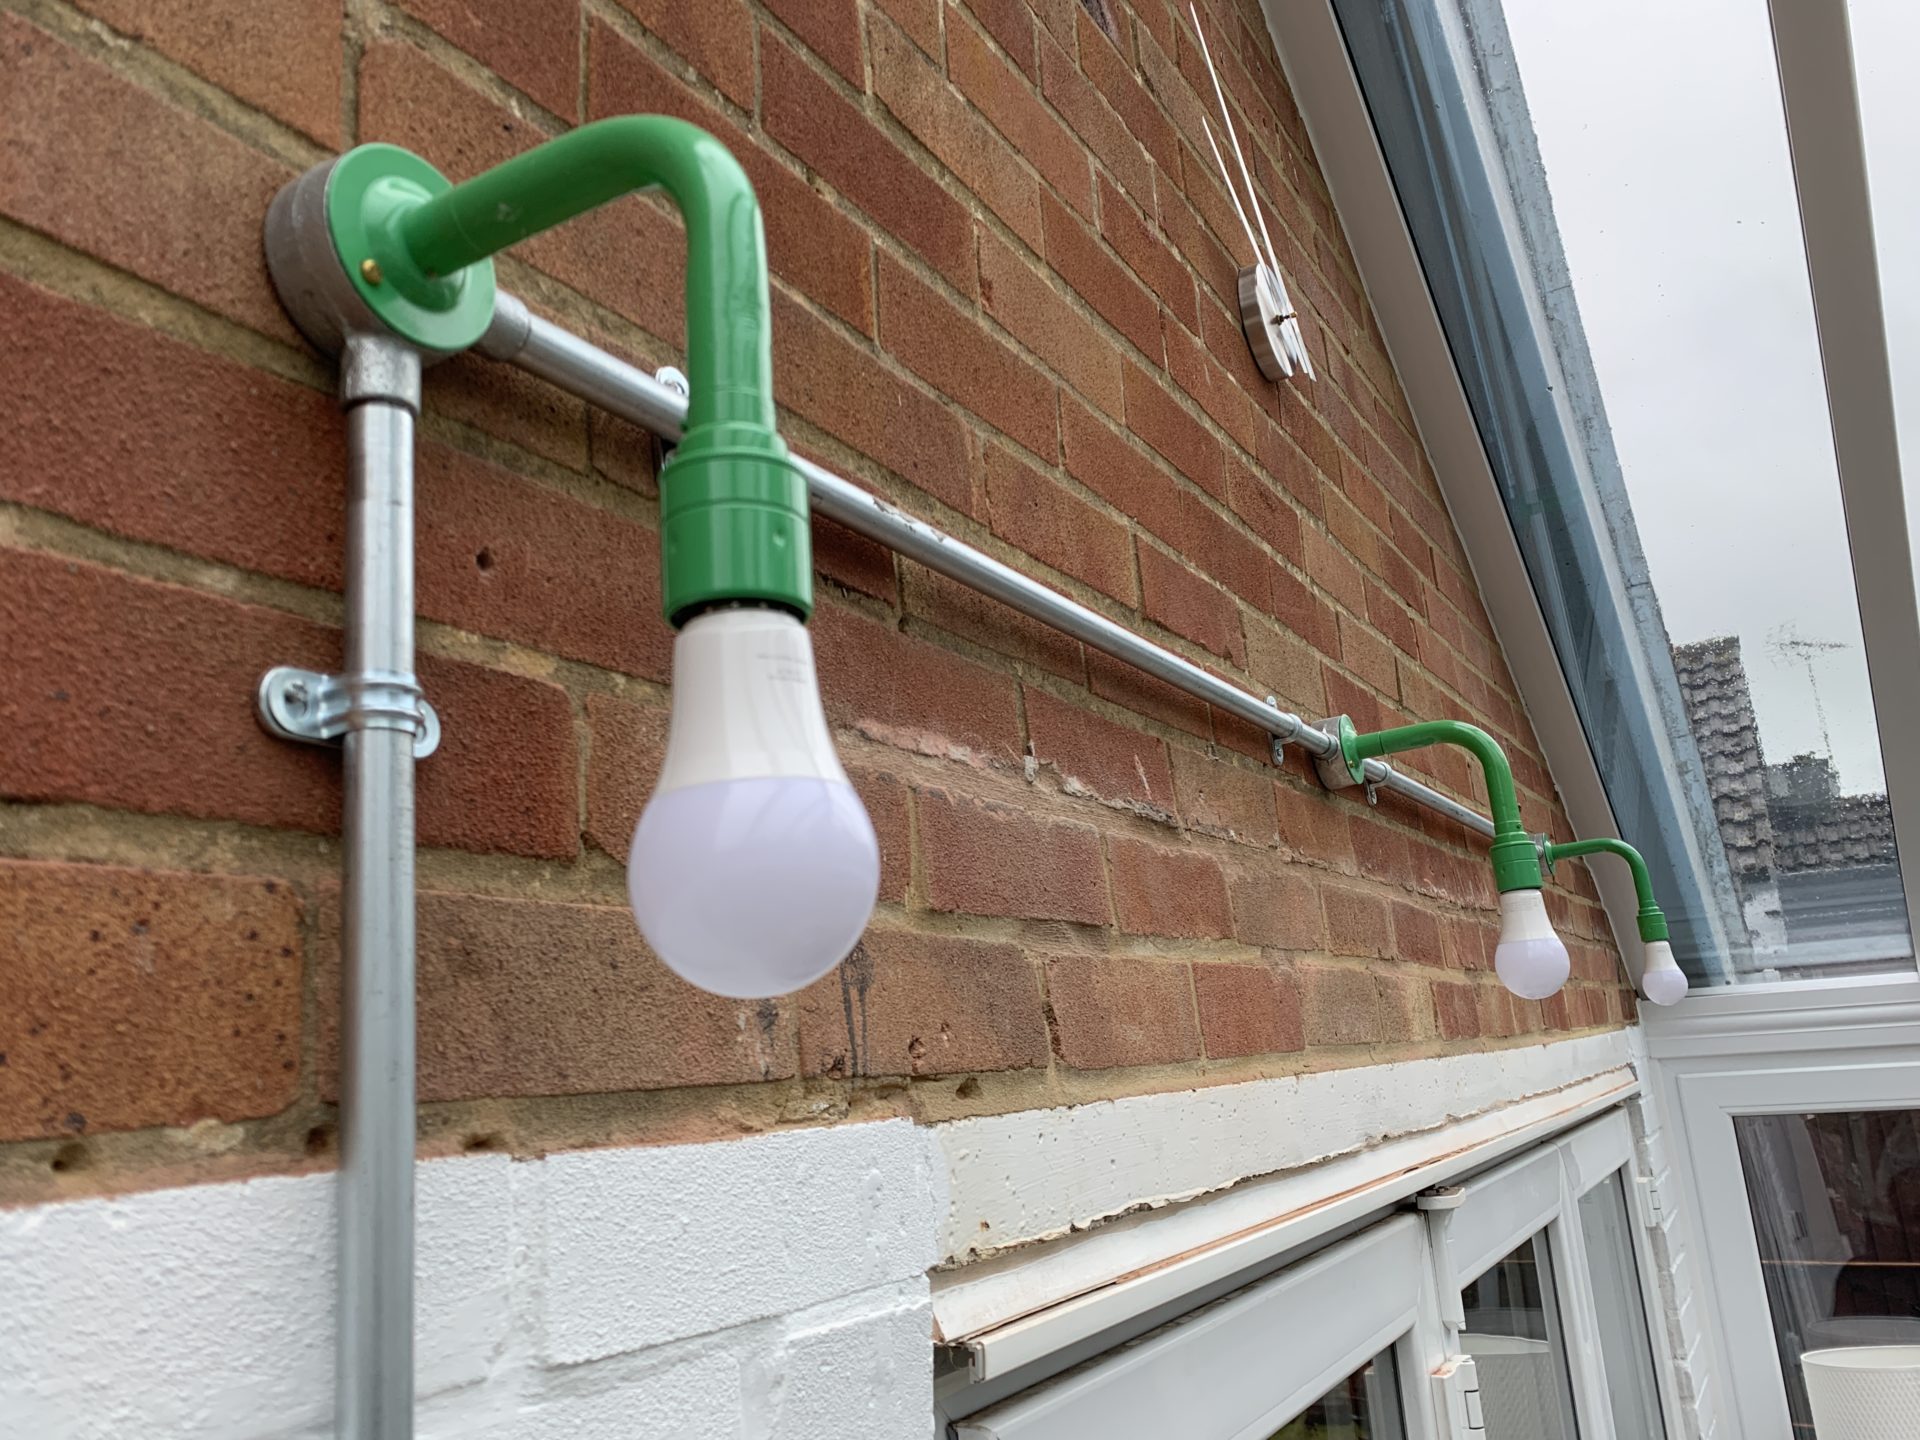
x=370, y=271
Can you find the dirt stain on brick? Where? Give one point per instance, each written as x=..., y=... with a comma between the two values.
x=856, y=975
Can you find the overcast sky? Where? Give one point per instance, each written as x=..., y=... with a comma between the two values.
x=1661, y=128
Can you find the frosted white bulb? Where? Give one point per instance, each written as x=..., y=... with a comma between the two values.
x=754, y=868
x=1530, y=960
x=1662, y=981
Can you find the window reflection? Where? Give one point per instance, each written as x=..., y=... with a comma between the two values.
x=1836, y=1210
x=1364, y=1406
x=1513, y=1333
x=1626, y=1346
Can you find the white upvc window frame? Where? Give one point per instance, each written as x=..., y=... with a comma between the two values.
x=1242, y=1366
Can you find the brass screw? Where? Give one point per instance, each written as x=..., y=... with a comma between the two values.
x=370, y=271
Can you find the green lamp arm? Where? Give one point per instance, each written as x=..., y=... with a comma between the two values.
x=730, y=374
x=733, y=505
x=1653, y=921
x=1516, y=863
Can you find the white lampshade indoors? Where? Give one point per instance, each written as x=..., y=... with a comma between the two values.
x=1662, y=981
x=754, y=867
x=1530, y=959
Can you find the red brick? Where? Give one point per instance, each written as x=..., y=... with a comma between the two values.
x=1216, y=270
x=1341, y=1004
x=1332, y=570
x=910, y=86
x=714, y=36
x=1116, y=79
x=1314, y=826
x=282, y=56
x=810, y=241
x=906, y=691
x=627, y=743
x=983, y=857
x=131, y=998
x=1187, y=603
x=1287, y=667
x=1457, y=1009
x=1123, y=476
x=1356, y=923
x=1283, y=461
x=848, y=393
x=530, y=997
x=535, y=48
x=629, y=256
x=1133, y=689
x=1037, y=314
x=122, y=428
x=952, y=352
x=1147, y=254
x=1247, y=1009
x=136, y=695
x=1380, y=850
x=920, y=1005
x=1103, y=282
x=506, y=401
x=1369, y=657
x=1111, y=1010
x=1265, y=511
x=961, y=610
x=1416, y=935
x=1304, y=611
x=1095, y=121
x=853, y=560
x=1005, y=96
x=919, y=18
x=811, y=119
x=886, y=800
x=1222, y=798
x=101, y=165
x=831, y=29
x=1010, y=22
x=1154, y=415
x=1047, y=521
x=1199, y=376
x=1094, y=755
x=1386, y=616
x=1276, y=909
x=1406, y=1008
x=1160, y=890
x=504, y=557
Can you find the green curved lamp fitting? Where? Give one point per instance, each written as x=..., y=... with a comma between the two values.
x=1653, y=920
x=1516, y=863
x=733, y=506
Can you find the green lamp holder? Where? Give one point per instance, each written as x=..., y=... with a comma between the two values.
x=378, y=241
x=1651, y=919
x=1516, y=861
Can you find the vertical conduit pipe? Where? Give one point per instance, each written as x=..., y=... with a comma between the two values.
x=380, y=386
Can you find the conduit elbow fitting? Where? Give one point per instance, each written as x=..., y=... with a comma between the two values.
x=379, y=241
x=1530, y=959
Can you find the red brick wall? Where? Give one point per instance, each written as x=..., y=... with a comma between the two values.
x=1003, y=280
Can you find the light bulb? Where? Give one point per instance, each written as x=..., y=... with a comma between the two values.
x=1662, y=981
x=754, y=867
x=1530, y=960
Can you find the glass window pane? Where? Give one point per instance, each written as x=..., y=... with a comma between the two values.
x=1836, y=1207
x=1611, y=235
x=1513, y=1333
x=1364, y=1406
x=1626, y=1345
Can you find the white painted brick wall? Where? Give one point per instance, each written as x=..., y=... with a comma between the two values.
x=770, y=1288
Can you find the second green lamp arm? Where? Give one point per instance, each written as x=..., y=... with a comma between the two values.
x=1652, y=920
